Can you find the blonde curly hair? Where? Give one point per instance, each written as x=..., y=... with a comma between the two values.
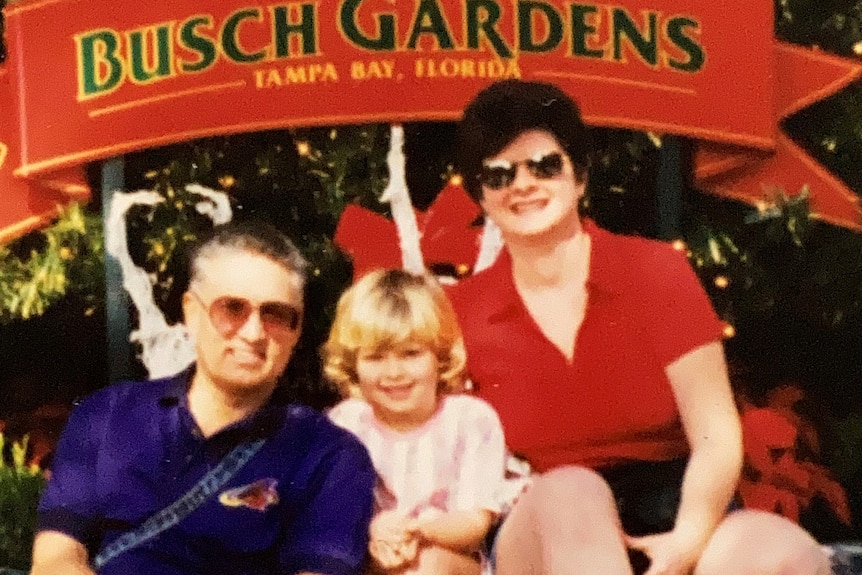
x=387, y=308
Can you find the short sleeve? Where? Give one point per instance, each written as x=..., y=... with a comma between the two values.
x=70, y=502
x=330, y=533
x=680, y=316
x=483, y=459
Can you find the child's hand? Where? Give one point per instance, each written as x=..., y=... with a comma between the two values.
x=392, y=546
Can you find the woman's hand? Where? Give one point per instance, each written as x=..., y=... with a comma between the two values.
x=392, y=545
x=670, y=553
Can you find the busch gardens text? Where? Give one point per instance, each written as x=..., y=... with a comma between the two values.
x=107, y=58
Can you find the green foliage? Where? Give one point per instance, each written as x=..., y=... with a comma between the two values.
x=777, y=259
x=622, y=183
x=41, y=268
x=300, y=181
x=20, y=489
x=846, y=460
x=349, y=164
x=834, y=25
x=831, y=129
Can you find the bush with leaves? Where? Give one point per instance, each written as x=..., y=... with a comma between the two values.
x=41, y=268
x=21, y=487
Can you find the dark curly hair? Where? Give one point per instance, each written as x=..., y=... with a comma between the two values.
x=506, y=109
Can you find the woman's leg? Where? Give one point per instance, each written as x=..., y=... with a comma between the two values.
x=749, y=542
x=566, y=523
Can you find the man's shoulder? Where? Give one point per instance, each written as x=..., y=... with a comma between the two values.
x=315, y=428
x=632, y=262
x=326, y=447
x=630, y=245
x=124, y=394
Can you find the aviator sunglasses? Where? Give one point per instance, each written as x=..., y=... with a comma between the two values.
x=498, y=174
x=229, y=313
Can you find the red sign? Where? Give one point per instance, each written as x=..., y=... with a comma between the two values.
x=28, y=204
x=88, y=81
x=94, y=81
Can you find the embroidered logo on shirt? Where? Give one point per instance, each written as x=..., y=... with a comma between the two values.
x=258, y=495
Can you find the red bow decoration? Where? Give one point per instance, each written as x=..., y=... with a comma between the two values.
x=804, y=76
x=449, y=236
x=775, y=478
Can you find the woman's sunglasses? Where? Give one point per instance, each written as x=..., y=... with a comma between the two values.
x=229, y=313
x=498, y=174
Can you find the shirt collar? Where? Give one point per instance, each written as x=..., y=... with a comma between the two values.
x=262, y=423
x=177, y=387
x=503, y=299
x=605, y=273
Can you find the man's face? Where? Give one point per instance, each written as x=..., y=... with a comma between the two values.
x=531, y=189
x=239, y=311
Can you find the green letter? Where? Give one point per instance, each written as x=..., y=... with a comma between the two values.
x=624, y=26
x=676, y=32
x=385, y=23
x=474, y=26
x=145, y=66
x=436, y=25
x=229, y=41
x=580, y=31
x=204, y=46
x=99, y=69
x=305, y=28
x=525, y=27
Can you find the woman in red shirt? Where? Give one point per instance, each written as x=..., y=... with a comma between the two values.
x=603, y=357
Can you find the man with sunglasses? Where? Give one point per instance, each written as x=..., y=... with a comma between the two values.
x=603, y=357
x=206, y=472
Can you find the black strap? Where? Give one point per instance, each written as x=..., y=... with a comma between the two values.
x=182, y=507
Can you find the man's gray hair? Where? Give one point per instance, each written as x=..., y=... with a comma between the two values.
x=254, y=237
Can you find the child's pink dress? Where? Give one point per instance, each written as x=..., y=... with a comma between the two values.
x=455, y=461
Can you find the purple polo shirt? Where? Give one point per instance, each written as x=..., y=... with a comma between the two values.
x=302, y=503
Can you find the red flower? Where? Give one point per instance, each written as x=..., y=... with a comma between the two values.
x=774, y=479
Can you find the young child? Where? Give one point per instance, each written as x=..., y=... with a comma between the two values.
x=396, y=353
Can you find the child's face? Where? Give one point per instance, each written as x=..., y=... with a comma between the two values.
x=400, y=383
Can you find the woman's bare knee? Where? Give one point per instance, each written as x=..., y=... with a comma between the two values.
x=564, y=513
x=759, y=543
x=573, y=486
x=565, y=499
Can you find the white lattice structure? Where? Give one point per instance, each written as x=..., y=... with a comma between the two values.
x=165, y=349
